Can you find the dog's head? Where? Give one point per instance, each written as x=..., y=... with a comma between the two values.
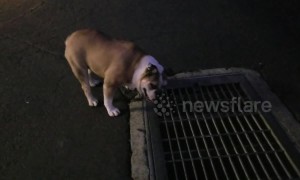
x=152, y=81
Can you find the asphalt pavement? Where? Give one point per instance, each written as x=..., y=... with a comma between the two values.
x=47, y=130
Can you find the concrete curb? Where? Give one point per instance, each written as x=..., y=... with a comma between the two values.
x=139, y=164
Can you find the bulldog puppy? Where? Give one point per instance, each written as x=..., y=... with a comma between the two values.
x=118, y=62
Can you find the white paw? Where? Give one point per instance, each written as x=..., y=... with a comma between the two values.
x=113, y=111
x=93, y=102
x=94, y=82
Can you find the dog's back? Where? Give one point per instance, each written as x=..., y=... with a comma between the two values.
x=85, y=48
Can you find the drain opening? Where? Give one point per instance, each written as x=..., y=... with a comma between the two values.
x=218, y=144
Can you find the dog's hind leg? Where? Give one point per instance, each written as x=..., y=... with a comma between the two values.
x=84, y=81
x=81, y=73
x=93, y=80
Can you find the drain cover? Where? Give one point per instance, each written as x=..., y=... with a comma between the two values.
x=220, y=126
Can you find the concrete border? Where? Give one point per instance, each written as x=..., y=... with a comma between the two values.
x=139, y=163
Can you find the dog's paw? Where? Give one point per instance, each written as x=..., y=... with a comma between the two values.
x=93, y=102
x=113, y=112
x=94, y=82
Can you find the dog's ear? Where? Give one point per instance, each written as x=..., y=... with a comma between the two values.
x=151, y=70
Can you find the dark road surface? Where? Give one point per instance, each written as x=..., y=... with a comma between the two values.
x=47, y=130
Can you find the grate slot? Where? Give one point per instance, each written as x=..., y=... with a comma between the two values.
x=231, y=140
x=222, y=141
x=255, y=140
x=185, y=138
x=180, y=149
x=195, y=139
x=221, y=134
x=171, y=149
x=178, y=159
x=267, y=140
x=246, y=139
x=212, y=165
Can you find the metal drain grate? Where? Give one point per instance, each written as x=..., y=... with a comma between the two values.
x=240, y=143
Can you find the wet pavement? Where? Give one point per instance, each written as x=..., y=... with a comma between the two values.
x=47, y=129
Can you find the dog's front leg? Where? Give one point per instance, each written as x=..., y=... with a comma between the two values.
x=108, y=94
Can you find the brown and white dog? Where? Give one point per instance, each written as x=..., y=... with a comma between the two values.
x=118, y=62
